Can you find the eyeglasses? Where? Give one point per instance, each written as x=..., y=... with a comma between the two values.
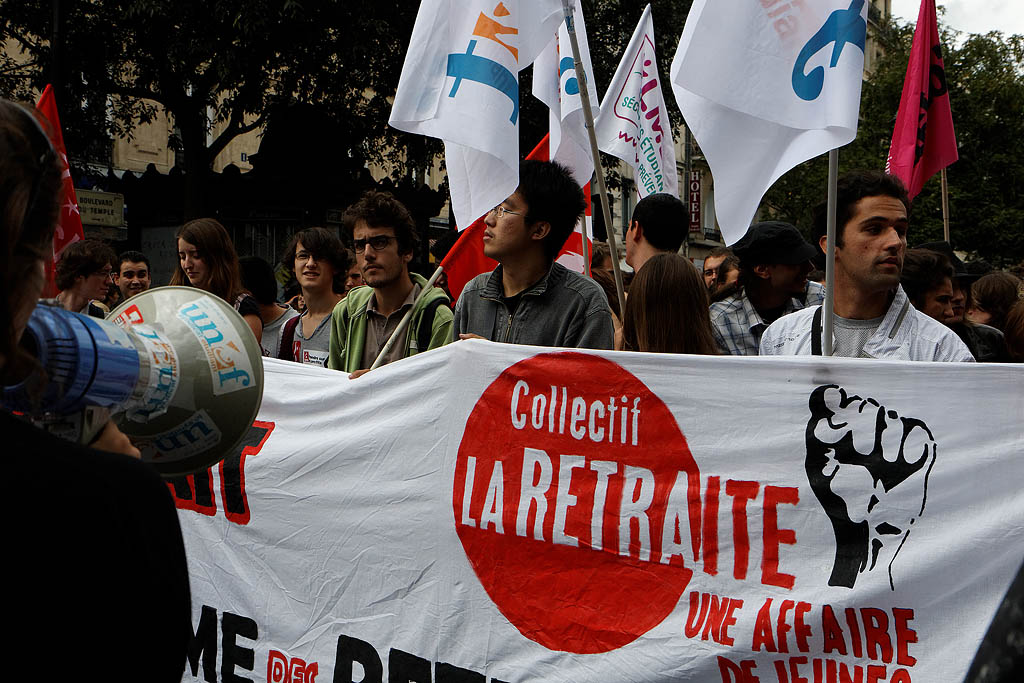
x=377, y=243
x=105, y=274
x=500, y=211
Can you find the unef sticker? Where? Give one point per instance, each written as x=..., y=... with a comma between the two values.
x=230, y=367
x=163, y=374
x=196, y=435
x=574, y=489
x=129, y=316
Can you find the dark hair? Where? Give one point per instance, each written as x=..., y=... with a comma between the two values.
x=664, y=220
x=1014, y=332
x=133, y=257
x=258, y=278
x=381, y=210
x=850, y=189
x=729, y=263
x=607, y=282
x=30, y=183
x=719, y=251
x=215, y=248
x=996, y=293
x=324, y=245
x=82, y=259
x=600, y=252
x=552, y=195
x=923, y=271
x=667, y=309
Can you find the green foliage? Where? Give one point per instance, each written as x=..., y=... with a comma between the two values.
x=985, y=75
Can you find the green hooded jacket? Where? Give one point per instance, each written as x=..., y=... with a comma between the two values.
x=348, y=325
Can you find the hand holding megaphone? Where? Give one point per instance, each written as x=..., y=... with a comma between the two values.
x=179, y=370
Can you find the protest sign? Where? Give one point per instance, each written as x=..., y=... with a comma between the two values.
x=485, y=512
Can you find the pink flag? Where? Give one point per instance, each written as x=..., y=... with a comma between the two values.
x=923, y=140
x=69, y=227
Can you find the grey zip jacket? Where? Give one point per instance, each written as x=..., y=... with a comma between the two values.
x=563, y=309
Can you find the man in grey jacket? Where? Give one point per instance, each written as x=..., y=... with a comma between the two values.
x=529, y=298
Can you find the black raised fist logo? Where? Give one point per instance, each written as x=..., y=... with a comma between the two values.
x=869, y=468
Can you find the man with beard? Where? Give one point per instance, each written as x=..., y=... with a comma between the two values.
x=873, y=314
x=384, y=236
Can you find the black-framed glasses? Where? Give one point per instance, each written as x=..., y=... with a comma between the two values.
x=500, y=211
x=377, y=243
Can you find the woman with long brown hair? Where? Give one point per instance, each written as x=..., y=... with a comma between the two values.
x=667, y=309
x=207, y=260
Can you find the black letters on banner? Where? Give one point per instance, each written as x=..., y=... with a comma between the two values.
x=352, y=650
x=204, y=642
x=406, y=668
x=234, y=655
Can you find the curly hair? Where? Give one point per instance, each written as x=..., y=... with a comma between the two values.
x=82, y=259
x=382, y=210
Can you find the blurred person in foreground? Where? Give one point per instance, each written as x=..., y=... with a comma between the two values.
x=101, y=582
x=667, y=309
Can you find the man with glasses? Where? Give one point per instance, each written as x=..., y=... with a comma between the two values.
x=384, y=237
x=84, y=274
x=530, y=298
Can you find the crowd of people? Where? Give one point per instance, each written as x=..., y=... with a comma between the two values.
x=762, y=296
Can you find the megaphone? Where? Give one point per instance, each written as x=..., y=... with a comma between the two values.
x=178, y=369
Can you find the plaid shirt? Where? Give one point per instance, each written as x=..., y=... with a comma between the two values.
x=737, y=326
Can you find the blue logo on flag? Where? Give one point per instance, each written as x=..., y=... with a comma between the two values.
x=486, y=71
x=572, y=86
x=841, y=27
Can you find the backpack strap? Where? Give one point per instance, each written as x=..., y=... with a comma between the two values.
x=284, y=349
x=816, y=333
x=425, y=329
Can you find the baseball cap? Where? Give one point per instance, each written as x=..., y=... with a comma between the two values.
x=773, y=242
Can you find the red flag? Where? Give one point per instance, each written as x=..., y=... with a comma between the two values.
x=466, y=258
x=923, y=141
x=69, y=228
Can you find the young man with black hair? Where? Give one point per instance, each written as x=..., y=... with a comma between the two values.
x=774, y=260
x=529, y=298
x=384, y=236
x=132, y=274
x=84, y=273
x=873, y=315
x=658, y=226
x=258, y=278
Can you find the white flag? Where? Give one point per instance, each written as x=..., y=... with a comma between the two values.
x=766, y=88
x=460, y=83
x=556, y=84
x=633, y=124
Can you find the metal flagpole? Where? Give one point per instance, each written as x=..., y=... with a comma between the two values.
x=830, y=253
x=945, y=207
x=404, y=322
x=588, y=117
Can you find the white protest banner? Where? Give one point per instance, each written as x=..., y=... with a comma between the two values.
x=460, y=83
x=766, y=86
x=634, y=124
x=486, y=512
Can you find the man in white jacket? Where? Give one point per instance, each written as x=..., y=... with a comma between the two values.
x=873, y=316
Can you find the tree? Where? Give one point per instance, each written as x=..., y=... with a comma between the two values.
x=985, y=75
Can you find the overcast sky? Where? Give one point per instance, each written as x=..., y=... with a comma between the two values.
x=971, y=16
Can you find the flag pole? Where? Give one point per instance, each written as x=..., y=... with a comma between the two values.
x=588, y=117
x=945, y=207
x=404, y=322
x=830, y=253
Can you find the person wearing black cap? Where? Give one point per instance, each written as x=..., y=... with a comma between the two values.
x=774, y=262
x=873, y=316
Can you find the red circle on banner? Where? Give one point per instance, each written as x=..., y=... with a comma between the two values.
x=584, y=429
